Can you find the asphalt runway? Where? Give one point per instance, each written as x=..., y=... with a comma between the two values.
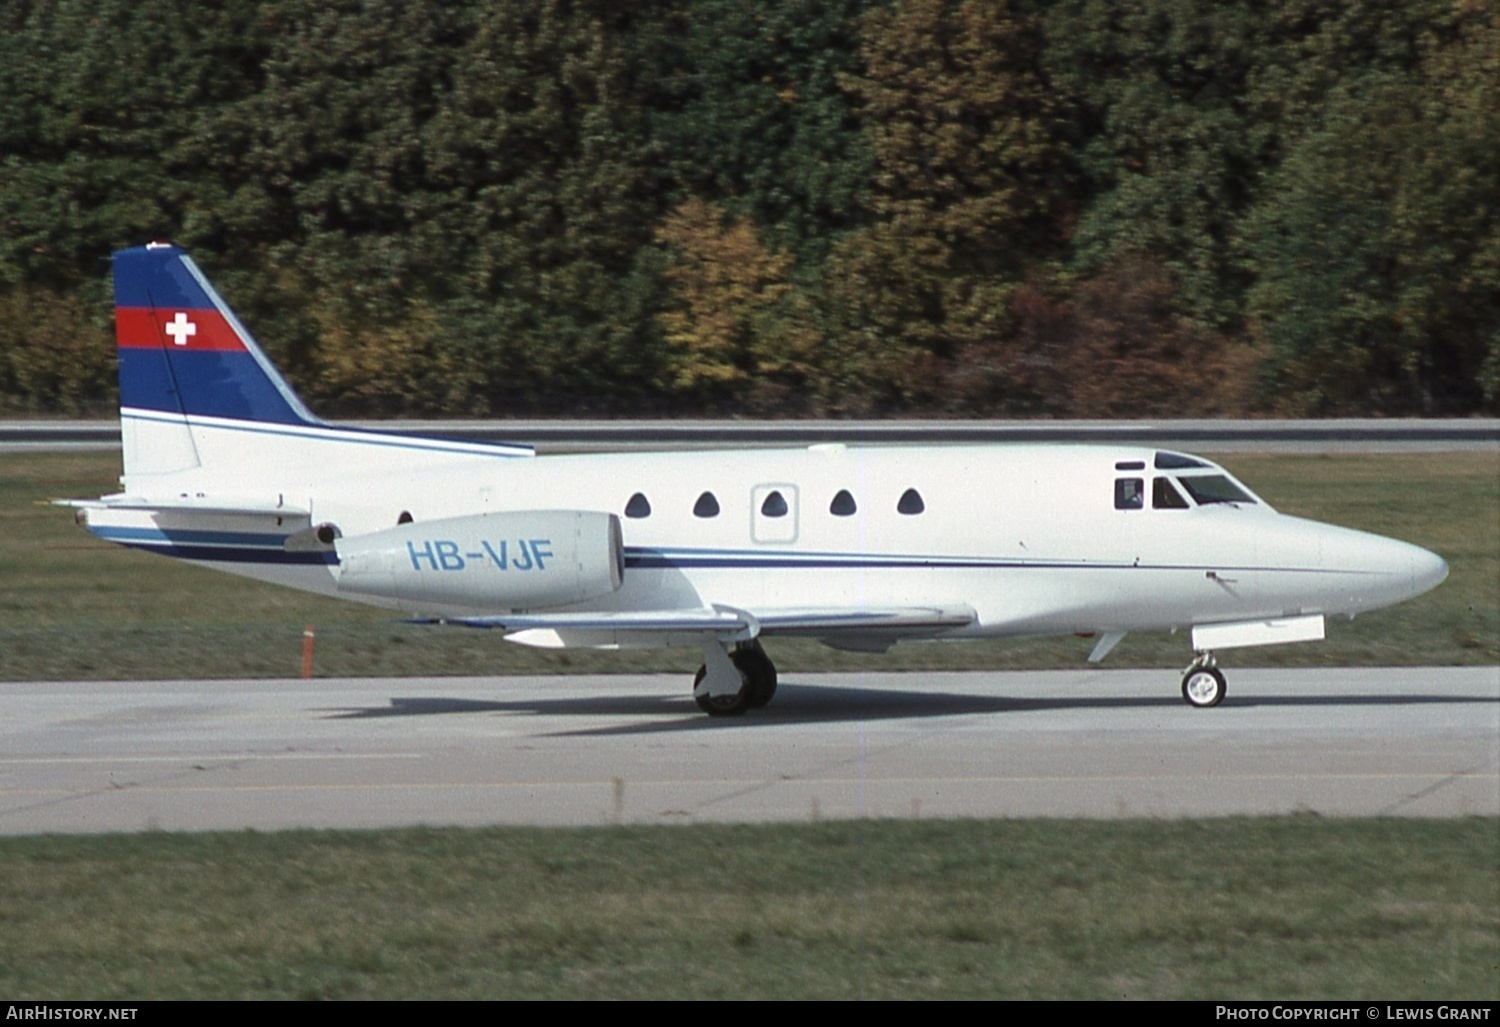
x=269, y=755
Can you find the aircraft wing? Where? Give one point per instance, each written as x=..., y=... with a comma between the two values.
x=868, y=629
x=713, y=621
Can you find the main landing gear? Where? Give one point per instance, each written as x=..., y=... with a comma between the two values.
x=756, y=676
x=1203, y=682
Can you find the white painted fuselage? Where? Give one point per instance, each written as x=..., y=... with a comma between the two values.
x=1029, y=537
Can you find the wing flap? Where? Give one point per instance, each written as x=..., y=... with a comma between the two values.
x=712, y=621
x=901, y=621
x=875, y=628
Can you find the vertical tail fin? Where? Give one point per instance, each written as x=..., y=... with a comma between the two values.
x=197, y=395
x=185, y=356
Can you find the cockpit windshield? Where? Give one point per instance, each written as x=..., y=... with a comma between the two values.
x=1213, y=488
x=1206, y=483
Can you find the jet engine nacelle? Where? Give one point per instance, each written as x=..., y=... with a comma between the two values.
x=498, y=561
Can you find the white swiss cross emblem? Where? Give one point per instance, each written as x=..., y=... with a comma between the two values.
x=181, y=329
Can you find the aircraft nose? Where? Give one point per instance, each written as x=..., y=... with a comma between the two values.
x=1374, y=571
x=1410, y=569
x=1428, y=570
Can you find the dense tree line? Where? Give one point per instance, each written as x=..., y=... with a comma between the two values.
x=969, y=207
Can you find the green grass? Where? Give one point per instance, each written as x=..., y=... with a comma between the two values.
x=1272, y=908
x=75, y=608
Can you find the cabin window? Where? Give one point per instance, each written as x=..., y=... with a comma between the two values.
x=1214, y=488
x=404, y=517
x=1164, y=496
x=639, y=506
x=773, y=508
x=707, y=506
x=910, y=503
x=843, y=504
x=1176, y=462
x=1129, y=493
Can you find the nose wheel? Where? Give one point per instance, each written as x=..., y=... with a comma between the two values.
x=1203, y=683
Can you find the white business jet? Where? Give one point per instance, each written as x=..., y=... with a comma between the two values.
x=856, y=547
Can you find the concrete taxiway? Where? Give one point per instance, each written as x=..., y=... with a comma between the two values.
x=268, y=755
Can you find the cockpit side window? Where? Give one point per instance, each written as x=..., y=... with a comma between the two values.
x=1130, y=493
x=1213, y=488
x=1164, y=495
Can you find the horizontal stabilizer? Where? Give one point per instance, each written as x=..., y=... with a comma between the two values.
x=223, y=528
x=219, y=506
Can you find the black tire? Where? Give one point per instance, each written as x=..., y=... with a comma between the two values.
x=1203, y=687
x=722, y=705
x=759, y=672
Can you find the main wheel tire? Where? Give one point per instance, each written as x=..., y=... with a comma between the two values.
x=1203, y=687
x=760, y=675
x=722, y=705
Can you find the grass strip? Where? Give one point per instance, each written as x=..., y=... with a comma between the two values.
x=1224, y=909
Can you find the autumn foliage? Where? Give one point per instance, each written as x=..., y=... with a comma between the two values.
x=1050, y=208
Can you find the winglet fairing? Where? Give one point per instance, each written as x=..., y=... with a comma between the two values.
x=857, y=547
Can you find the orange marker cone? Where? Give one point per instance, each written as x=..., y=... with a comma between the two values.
x=307, y=651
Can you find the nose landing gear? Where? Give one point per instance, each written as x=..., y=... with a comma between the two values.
x=1203, y=683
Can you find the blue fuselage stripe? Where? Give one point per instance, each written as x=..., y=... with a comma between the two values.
x=230, y=554
x=188, y=537
x=254, y=547
x=219, y=546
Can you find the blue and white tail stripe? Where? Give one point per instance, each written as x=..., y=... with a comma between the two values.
x=185, y=360
x=183, y=351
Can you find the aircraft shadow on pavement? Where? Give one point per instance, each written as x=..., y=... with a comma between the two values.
x=794, y=703
x=797, y=703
